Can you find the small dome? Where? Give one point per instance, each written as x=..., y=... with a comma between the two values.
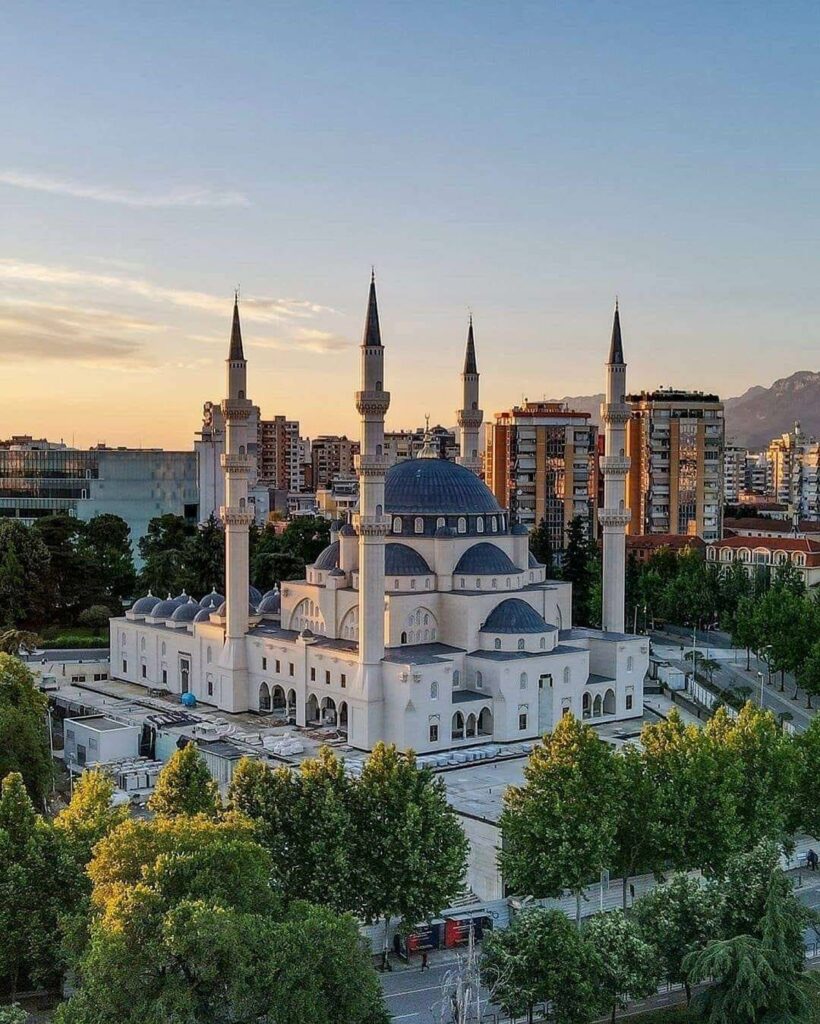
x=519, y=530
x=222, y=610
x=337, y=573
x=336, y=525
x=165, y=609
x=436, y=487
x=401, y=560
x=329, y=558
x=515, y=616
x=532, y=561
x=271, y=603
x=203, y=615
x=484, y=558
x=307, y=634
x=187, y=612
x=180, y=599
x=145, y=605
x=212, y=600
x=254, y=595
x=347, y=531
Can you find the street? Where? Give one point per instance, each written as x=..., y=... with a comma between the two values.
x=732, y=674
x=414, y=997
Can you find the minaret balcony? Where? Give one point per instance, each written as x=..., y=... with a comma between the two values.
x=236, y=408
x=372, y=465
x=232, y=515
x=614, y=465
x=615, y=412
x=614, y=517
x=372, y=526
x=470, y=418
x=372, y=403
x=236, y=463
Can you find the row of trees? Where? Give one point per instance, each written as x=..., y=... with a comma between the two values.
x=688, y=798
x=742, y=933
x=179, y=917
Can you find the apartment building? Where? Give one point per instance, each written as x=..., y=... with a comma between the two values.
x=332, y=456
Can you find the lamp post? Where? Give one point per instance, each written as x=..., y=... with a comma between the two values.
x=768, y=647
x=760, y=675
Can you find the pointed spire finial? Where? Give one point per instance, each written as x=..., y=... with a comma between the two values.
x=372, y=333
x=616, y=351
x=235, y=352
x=470, y=365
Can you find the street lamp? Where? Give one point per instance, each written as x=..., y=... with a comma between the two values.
x=760, y=675
x=768, y=647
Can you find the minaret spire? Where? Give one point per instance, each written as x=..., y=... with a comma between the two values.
x=372, y=402
x=615, y=516
x=235, y=351
x=470, y=417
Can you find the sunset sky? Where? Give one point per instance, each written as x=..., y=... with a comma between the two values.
x=526, y=161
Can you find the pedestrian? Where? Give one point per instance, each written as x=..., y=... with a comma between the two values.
x=811, y=860
x=424, y=965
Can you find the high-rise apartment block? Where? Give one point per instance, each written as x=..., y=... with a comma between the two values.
x=332, y=455
x=541, y=463
x=282, y=454
x=675, y=442
x=734, y=472
x=400, y=445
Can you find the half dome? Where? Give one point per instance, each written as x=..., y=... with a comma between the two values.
x=401, y=560
x=515, y=616
x=484, y=559
x=329, y=558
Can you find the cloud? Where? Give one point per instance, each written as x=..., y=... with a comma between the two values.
x=258, y=309
x=306, y=340
x=125, y=197
x=30, y=330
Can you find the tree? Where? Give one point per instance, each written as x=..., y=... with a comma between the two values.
x=13, y=1015
x=306, y=821
x=559, y=827
x=26, y=593
x=185, y=786
x=271, y=568
x=540, y=958
x=411, y=851
x=96, y=616
x=13, y=641
x=186, y=927
x=677, y=919
x=90, y=815
x=577, y=568
x=165, y=551
x=105, y=548
x=204, y=553
x=639, y=846
x=806, y=807
x=541, y=545
x=35, y=885
x=624, y=965
x=23, y=735
x=808, y=673
x=305, y=537
x=744, y=625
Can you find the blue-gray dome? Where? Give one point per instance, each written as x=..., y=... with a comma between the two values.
x=254, y=595
x=400, y=560
x=532, y=561
x=484, y=558
x=212, y=600
x=347, y=531
x=164, y=610
x=180, y=599
x=515, y=616
x=145, y=605
x=222, y=610
x=519, y=530
x=186, y=612
x=271, y=603
x=329, y=558
x=436, y=487
x=204, y=615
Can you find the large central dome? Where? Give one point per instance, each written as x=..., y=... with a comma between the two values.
x=436, y=487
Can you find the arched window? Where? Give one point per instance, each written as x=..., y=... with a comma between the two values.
x=478, y=583
x=493, y=525
x=522, y=681
x=462, y=524
x=629, y=663
x=379, y=510
x=434, y=691
x=142, y=644
x=441, y=522
x=479, y=681
x=418, y=524
x=404, y=638
x=396, y=524
x=165, y=649
x=495, y=584
x=479, y=525
x=567, y=675
x=497, y=644
x=543, y=643
x=395, y=584
x=508, y=583
x=521, y=644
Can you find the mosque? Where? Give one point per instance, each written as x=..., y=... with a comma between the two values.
x=426, y=622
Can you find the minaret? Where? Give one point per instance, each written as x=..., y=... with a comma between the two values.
x=614, y=516
x=470, y=417
x=236, y=515
x=372, y=403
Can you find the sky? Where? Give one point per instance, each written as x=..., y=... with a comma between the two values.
x=524, y=161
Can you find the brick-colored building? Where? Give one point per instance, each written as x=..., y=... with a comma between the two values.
x=541, y=463
x=643, y=546
x=768, y=553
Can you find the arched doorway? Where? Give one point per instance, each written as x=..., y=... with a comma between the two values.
x=312, y=710
x=596, y=706
x=471, y=726
x=264, y=697
x=328, y=711
x=458, y=726
x=485, y=722
x=292, y=704
x=279, y=702
x=343, y=716
x=586, y=705
x=609, y=702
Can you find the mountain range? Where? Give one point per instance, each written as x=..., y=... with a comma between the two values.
x=756, y=416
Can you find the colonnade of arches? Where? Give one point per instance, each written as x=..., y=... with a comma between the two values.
x=326, y=712
x=274, y=698
x=472, y=725
x=599, y=705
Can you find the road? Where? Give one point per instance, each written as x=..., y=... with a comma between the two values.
x=732, y=674
x=414, y=997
